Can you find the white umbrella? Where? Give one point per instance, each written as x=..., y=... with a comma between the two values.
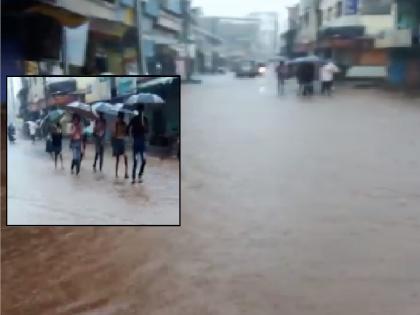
x=142, y=98
x=82, y=109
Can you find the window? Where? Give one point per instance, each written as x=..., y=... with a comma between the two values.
x=319, y=16
x=330, y=13
x=306, y=18
x=339, y=9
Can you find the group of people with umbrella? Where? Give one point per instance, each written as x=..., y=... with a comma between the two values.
x=137, y=128
x=306, y=71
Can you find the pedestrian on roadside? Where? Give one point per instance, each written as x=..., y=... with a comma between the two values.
x=327, y=77
x=76, y=143
x=32, y=130
x=99, y=138
x=138, y=127
x=299, y=78
x=120, y=132
x=11, y=131
x=57, y=138
x=282, y=72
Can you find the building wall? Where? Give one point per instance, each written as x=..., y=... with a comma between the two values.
x=96, y=88
x=267, y=33
x=36, y=96
x=374, y=23
x=377, y=57
x=308, y=22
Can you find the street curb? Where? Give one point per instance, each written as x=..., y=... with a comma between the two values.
x=192, y=81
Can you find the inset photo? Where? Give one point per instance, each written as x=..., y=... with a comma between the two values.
x=101, y=150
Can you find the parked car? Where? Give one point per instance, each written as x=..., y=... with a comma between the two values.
x=221, y=70
x=246, y=68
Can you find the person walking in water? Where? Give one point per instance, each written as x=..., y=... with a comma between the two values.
x=32, y=130
x=56, y=139
x=282, y=72
x=99, y=137
x=120, y=131
x=138, y=128
x=76, y=143
x=327, y=77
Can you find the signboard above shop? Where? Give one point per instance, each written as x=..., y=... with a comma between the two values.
x=167, y=21
x=376, y=7
x=126, y=85
x=351, y=7
x=394, y=38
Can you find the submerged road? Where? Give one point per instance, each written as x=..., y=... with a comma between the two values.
x=289, y=206
x=39, y=194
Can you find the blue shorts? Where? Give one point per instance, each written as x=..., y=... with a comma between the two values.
x=139, y=145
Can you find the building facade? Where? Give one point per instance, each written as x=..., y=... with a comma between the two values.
x=402, y=44
x=307, y=31
x=268, y=34
x=348, y=29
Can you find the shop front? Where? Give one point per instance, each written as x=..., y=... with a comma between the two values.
x=32, y=37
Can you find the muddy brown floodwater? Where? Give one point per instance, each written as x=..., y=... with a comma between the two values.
x=288, y=207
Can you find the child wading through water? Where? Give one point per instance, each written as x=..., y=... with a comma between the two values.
x=138, y=127
x=120, y=132
x=57, y=137
x=76, y=143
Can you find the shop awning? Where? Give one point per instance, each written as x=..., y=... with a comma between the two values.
x=343, y=31
x=63, y=16
x=157, y=81
x=107, y=27
x=161, y=39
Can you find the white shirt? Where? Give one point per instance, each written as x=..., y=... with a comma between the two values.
x=32, y=127
x=327, y=72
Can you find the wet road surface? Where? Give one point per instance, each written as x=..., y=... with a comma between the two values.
x=288, y=207
x=39, y=194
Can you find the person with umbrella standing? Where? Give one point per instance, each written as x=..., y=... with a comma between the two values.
x=308, y=77
x=120, y=131
x=138, y=128
x=76, y=142
x=99, y=136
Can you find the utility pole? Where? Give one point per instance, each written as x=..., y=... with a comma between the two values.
x=141, y=62
x=189, y=64
x=44, y=79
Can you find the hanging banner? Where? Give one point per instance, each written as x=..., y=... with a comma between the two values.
x=376, y=7
x=76, y=41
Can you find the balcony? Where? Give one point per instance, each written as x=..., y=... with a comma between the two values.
x=152, y=8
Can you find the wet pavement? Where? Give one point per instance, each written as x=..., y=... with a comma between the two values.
x=288, y=207
x=40, y=194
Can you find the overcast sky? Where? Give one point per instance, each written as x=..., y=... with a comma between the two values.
x=242, y=7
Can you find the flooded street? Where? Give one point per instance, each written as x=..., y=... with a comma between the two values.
x=39, y=194
x=289, y=206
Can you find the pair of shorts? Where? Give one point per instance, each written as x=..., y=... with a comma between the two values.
x=56, y=149
x=119, y=147
x=139, y=145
